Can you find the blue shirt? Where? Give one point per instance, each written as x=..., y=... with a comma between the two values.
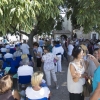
x=96, y=78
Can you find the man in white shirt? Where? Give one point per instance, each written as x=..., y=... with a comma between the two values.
x=58, y=51
x=25, y=69
x=25, y=48
x=70, y=49
x=8, y=55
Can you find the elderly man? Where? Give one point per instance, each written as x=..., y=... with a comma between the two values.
x=25, y=69
x=25, y=48
x=8, y=55
x=18, y=52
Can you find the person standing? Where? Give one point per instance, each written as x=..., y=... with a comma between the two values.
x=38, y=53
x=70, y=49
x=41, y=43
x=58, y=51
x=49, y=68
x=25, y=48
x=76, y=75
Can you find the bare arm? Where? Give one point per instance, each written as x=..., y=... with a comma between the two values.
x=16, y=95
x=94, y=60
x=74, y=74
x=96, y=94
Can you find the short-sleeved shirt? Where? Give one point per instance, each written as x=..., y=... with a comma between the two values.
x=96, y=78
x=39, y=50
x=25, y=48
x=42, y=94
x=48, y=61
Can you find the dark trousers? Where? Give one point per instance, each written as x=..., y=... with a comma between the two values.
x=73, y=96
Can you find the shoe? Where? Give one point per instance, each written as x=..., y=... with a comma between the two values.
x=57, y=87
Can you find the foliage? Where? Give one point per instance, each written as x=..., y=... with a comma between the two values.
x=85, y=13
x=24, y=14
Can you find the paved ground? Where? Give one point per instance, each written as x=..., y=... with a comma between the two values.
x=62, y=92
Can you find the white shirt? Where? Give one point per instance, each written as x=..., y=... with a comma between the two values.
x=57, y=50
x=41, y=42
x=3, y=49
x=75, y=87
x=25, y=70
x=7, y=46
x=25, y=48
x=48, y=61
x=39, y=50
x=8, y=55
x=35, y=95
x=70, y=49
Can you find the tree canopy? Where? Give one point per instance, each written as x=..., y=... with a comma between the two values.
x=85, y=13
x=25, y=14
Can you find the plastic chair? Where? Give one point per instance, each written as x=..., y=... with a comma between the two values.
x=39, y=99
x=12, y=50
x=2, y=59
x=5, y=64
x=24, y=79
x=3, y=53
x=9, y=60
x=29, y=56
x=18, y=59
x=14, y=65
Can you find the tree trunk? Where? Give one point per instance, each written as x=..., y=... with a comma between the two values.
x=30, y=42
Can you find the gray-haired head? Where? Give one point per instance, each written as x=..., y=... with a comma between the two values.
x=25, y=61
x=8, y=50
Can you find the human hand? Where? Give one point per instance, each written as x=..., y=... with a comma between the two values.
x=77, y=74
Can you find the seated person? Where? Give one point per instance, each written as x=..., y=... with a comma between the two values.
x=25, y=69
x=5, y=89
x=7, y=46
x=18, y=52
x=8, y=55
x=3, y=49
x=40, y=93
x=24, y=57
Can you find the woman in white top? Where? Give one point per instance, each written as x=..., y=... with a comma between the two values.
x=49, y=68
x=76, y=75
x=36, y=92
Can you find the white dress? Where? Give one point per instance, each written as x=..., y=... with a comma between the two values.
x=75, y=87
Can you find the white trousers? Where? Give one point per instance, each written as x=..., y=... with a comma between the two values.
x=58, y=67
x=48, y=74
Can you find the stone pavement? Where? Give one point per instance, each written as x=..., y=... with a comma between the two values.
x=62, y=92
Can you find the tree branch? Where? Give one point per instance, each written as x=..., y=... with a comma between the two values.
x=24, y=33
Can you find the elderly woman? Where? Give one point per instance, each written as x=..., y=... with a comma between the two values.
x=40, y=93
x=5, y=89
x=49, y=68
x=24, y=57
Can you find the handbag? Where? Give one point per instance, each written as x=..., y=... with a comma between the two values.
x=87, y=88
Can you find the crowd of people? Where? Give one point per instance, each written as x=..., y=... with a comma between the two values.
x=82, y=56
